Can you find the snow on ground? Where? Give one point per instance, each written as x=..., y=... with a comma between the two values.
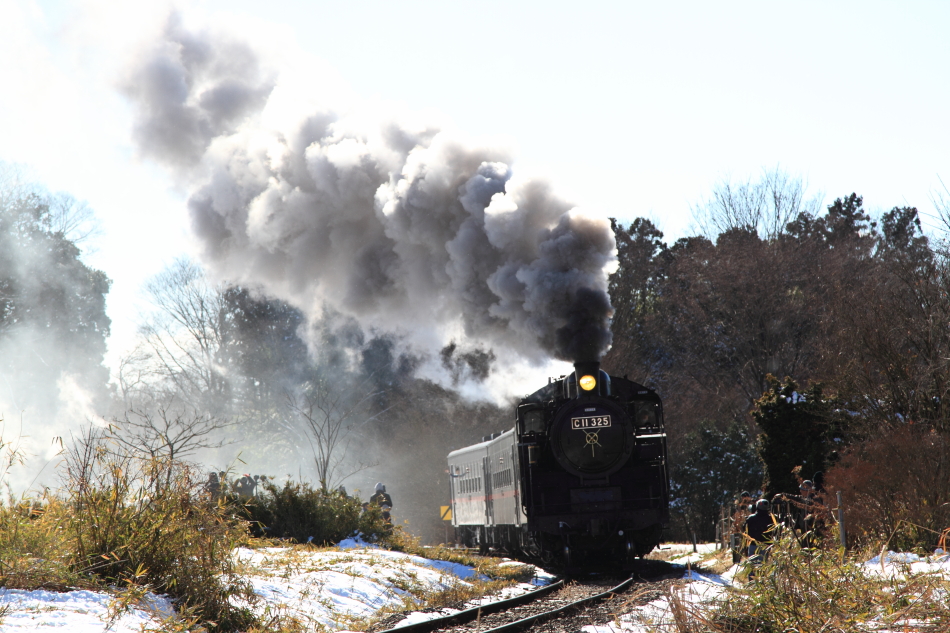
x=334, y=587
x=331, y=587
x=74, y=611
x=658, y=616
x=540, y=579
x=900, y=565
x=683, y=554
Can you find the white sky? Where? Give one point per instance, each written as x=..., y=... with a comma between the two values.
x=631, y=108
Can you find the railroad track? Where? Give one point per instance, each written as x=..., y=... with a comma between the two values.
x=558, y=600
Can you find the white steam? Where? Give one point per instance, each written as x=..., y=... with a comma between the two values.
x=406, y=227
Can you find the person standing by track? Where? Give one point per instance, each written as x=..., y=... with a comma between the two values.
x=809, y=513
x=760, y=528
x=382, y=499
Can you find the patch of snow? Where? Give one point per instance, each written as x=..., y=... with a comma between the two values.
x=683, y=554
x=899, y=564
x=77, y=611
x=895, y=557
x=658, y=615
x=714, y=579
x=705, y=588
x=332, y=587
x=419, y=616
x=504, y=594
x=356, y=542
x=541, y=579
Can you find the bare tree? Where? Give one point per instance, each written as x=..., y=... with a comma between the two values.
x=73, y=219
x=941, y=200
x=136, y=375
x=222, y=350
x=183, y=339
x=331, y=415
x=168, y=435
x=14, y=184
x=764, y=207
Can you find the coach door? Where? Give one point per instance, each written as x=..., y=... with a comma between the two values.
x=516, y=484
x=489, y=500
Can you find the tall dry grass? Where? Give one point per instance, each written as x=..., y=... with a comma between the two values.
x=819, y=591
x=123, y=521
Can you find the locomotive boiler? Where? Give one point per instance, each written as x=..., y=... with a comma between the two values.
x=580, y=480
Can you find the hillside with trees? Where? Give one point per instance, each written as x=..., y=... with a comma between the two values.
x=819, y=334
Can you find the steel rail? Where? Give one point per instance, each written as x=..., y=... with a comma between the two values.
x=548, y=615
x=475, y=612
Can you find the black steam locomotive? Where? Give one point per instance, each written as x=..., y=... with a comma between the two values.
x=581, y=480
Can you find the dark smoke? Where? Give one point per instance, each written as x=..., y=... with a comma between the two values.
x=474, y=364
x=582, y=339
x=405, y=228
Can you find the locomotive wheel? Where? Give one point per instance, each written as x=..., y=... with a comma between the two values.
x=630, y=552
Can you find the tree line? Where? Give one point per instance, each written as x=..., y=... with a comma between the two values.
x=788, y=342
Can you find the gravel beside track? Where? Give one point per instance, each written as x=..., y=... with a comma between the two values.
x=608, y=610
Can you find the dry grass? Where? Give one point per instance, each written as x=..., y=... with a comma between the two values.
x=127, y=525
x=819, y=591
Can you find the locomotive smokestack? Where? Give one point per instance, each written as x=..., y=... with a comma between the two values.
x=589, y=379
x=587, y=368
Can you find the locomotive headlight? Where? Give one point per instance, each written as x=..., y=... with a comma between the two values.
x=588, y=382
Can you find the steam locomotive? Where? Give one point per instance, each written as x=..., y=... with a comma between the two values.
x=580, y=481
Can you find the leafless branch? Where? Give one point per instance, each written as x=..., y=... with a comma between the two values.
x=330, y=415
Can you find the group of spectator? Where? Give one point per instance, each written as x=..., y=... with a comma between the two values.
x=244, y=487
x=760, y=521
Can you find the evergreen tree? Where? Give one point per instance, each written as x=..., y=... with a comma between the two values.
x=52, y=308
x=716, y=466
x=799, y=429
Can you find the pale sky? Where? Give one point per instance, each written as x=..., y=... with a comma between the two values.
x=629, y=108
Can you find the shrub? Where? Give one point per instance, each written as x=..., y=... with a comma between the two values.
x=144, y=522
x=815, y=591
x=304, y=514
x=895, y=486
x=34, y=547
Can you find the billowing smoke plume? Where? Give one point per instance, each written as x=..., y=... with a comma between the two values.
x=405, y=227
